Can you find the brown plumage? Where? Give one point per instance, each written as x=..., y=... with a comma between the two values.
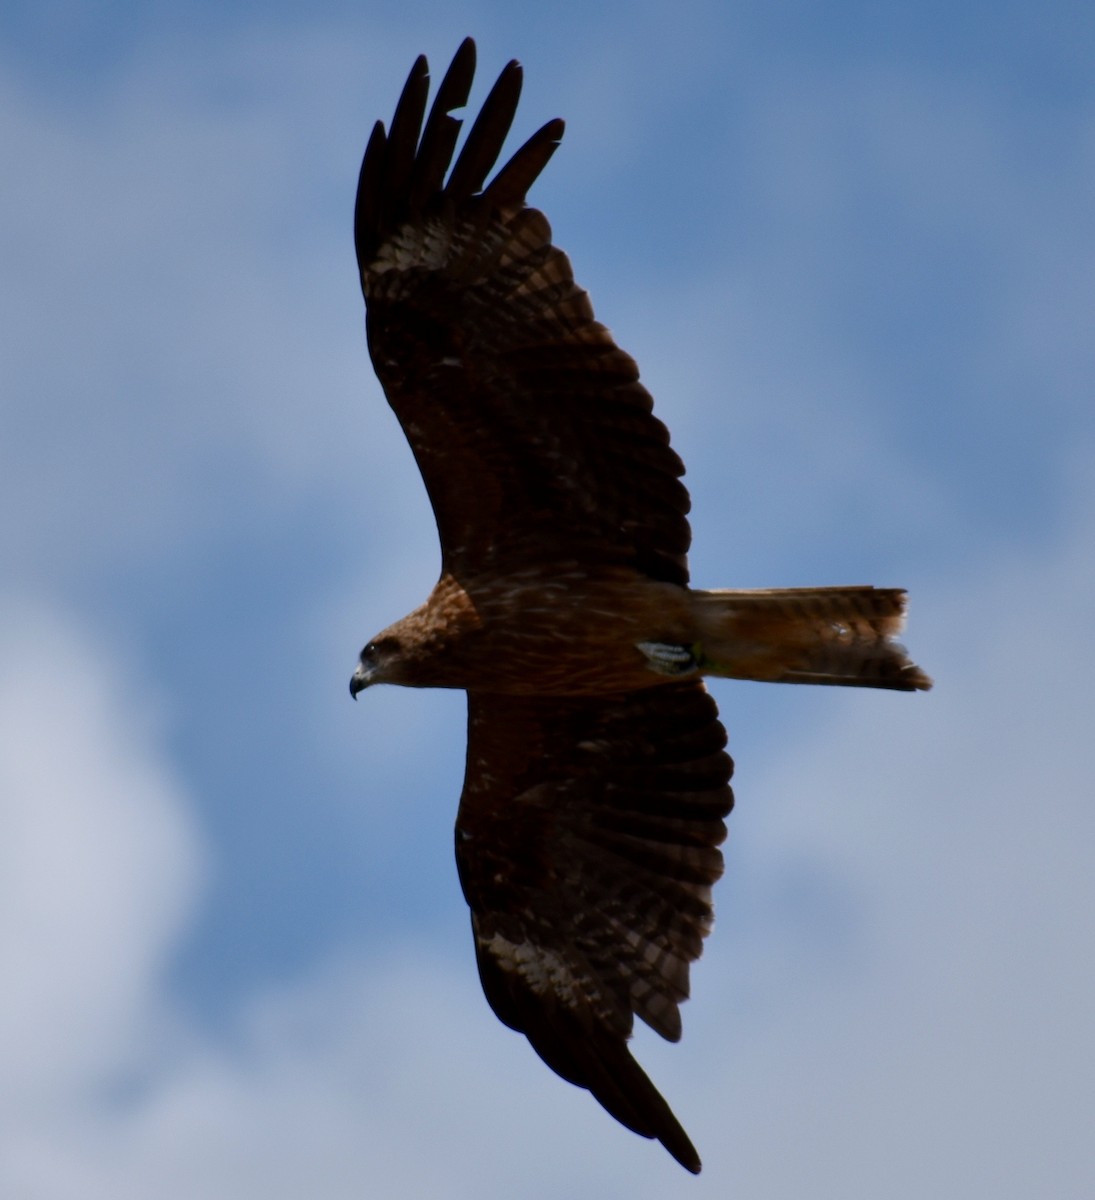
x=597, y=781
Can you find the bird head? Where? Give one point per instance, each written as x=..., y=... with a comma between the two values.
x=374, y=664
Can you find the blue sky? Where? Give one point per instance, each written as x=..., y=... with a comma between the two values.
x=851, y=247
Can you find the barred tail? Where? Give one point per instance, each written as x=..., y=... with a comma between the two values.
x=834, y=635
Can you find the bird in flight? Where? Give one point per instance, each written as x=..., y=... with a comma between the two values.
x=588, y=831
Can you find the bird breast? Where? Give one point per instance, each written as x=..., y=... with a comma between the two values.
x=563, y=631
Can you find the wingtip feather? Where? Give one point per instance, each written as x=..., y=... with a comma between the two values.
x=487, y=135
x=404, y=168
x=511, y=184
x=591, y=1057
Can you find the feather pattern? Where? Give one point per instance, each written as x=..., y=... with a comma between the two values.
x=587, y=843
x=492, y=359
x=830, y=635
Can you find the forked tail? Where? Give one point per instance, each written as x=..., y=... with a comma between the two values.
x=835, y=635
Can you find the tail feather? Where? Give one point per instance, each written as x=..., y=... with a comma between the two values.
x=832, y=635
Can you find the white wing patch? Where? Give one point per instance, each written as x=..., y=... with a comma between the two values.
x=414, y=245
x=544, y=971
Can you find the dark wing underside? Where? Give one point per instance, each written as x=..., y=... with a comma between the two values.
x=587, y=844
x=535, y=438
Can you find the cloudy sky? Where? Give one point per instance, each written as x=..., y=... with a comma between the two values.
x=852, y=247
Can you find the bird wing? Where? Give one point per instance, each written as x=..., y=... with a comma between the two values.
x=535, y=438
x=587, y=844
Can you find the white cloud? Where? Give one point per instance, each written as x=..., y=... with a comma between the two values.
x=100, y=866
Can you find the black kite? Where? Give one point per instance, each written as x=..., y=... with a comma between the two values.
x=597, y=783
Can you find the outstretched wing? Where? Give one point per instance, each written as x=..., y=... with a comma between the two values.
x=587, y=843
x=535, y=438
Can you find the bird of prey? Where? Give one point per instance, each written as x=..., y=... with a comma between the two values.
x=588, y=831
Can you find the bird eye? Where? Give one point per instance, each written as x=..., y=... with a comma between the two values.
x=381, y=648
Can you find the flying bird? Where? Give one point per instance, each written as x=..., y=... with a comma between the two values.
x=597, y=781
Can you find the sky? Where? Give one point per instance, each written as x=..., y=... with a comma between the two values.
x=852, y=248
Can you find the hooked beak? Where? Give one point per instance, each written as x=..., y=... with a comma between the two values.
x=360, y=680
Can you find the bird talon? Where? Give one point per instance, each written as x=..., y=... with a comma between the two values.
x=665, y=658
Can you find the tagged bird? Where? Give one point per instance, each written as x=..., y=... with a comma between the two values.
x=597, y=782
